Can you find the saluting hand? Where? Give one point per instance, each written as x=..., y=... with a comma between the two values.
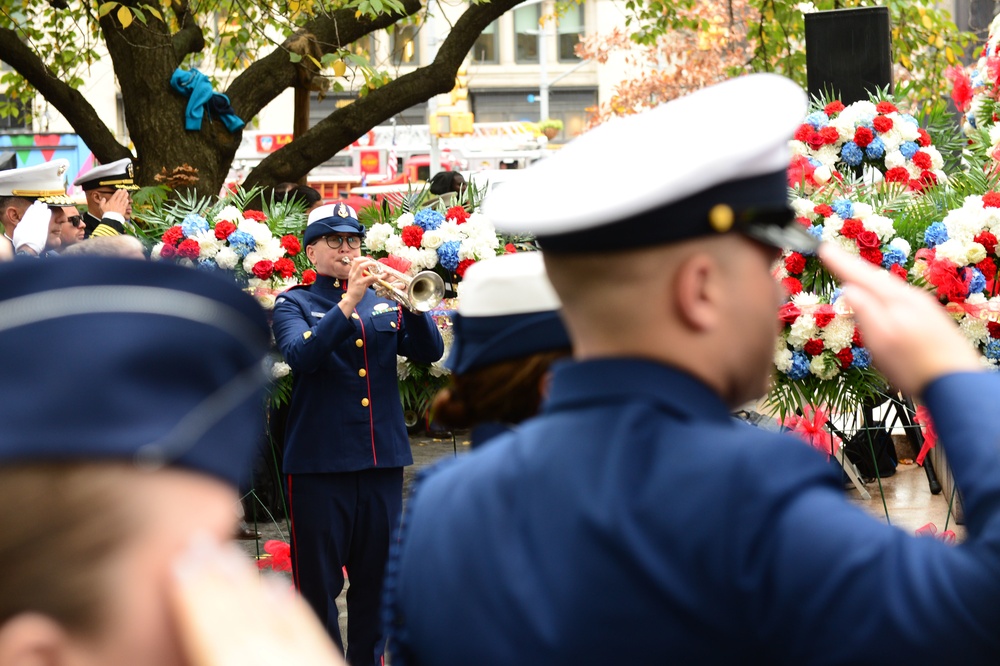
x=116, y=203
x=911, y=337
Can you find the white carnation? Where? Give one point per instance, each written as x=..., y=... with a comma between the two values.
x=975, y=329
x=803, y=330
x=828, y=155
x=838, y=333
x=375, y=239
x=803, y=207
x=251, y=260
x=805, y=299
x=155, y=253
x=902, y=245
x=227, y=258
x=823, y=370
x=402, y=367
x=230, y=214
x=783, y=358
x=893, y=159
x=404, y=220
x=280, y=369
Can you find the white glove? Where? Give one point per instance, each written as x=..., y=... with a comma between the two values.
x=33, y=229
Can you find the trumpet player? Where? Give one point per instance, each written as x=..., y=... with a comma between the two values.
x=345, y=443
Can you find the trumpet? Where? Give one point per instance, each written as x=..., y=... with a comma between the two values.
x=419, y=293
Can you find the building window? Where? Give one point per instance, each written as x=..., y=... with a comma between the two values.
x=570, y=33
x=364, y=48
x=405, y=50
x=484, y=51
x=526, y=34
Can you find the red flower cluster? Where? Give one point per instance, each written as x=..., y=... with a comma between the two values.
x=284, y=267
x=897, y=175
x=924, y=138
x=509, y=248
x=813, y=347
x=223, y=229
x=886, y=107
x=994, y=329
x=948, y=282
x=836, y=106
x=254, y=215
x=280, y=556
x=291, y=244
x=412, y=235
x=792, y=285
x=173, y=235
x=823, y=315
x=882, y=124
x=458, y=214
x=818, y=138
x=463, y=266
x=991, y=200
x=263, y=269
x=308, y=276
x=795, y=263
x=168, y=251
x=188, y=249
x=845, y=356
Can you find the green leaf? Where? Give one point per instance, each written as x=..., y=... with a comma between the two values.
x=103, y=10
x=329, y=59
x=139, y=15
x=294, y=57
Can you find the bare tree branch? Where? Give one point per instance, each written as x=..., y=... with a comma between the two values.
x=189, y=38
x=265, y=79
x=68, y=101
x=346, y=124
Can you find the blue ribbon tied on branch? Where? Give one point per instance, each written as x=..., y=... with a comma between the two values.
x=198, y=89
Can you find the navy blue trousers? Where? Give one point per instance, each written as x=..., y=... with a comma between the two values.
x=345, y=520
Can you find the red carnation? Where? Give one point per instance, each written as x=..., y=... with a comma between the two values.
x=804, y=132
x=800, y=172
x=789, y=312
x=990, y=200
x=885, y=107
x=823, y=315
x=804, y=221
x=824, y=210
x=922, y=160
x=168, y=251
x=813, y=347
x=412, y=235
x=816, y=141
x=263, y=269
x=897, y=175
x=923, y=138
x=795, y=263
x=188, y=249
x=792, y=286
x=856, y=339
x=944, y=276
x=223, y=229
x=836, y=106
x=510, y=248
x=173, y=235
x=456, y=213
x=846, y=357
x=284, y=267
x=254, y=215
x=851, y=228
x=882, y=124
x=463, y=266
x=987, y=240
x=830, y=135
x=868, y=239
x=308, y=276
x=994, y=329
x=872, y=255
x=926, y=181
x=898, y=271
x=863, y=136
x=988, y=268
x=291, y=244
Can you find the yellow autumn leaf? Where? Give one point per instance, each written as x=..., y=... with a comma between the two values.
x=905, y=62
x=939, y=42
x=357, y=14
x=293, y=6
x=926, y=20
x=125, y=16
x=106, y=7
x=949, y=55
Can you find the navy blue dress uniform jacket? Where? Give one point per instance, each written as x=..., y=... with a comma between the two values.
x=636, y=522
x=344, y=413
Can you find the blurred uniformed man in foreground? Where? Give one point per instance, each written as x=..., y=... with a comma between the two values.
x=116, y=511
x=634, y=521
x=109, y=190
x=346, y=443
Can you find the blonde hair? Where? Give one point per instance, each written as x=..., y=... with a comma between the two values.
x=63, y=523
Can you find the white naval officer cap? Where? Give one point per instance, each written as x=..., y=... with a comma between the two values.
x=711, y=162
x=118, y=174
x=507, y=309
x=43, y=182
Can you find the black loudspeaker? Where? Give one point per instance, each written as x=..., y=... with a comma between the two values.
x=848, y=51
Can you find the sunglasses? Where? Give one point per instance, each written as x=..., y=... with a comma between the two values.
x=75, y=220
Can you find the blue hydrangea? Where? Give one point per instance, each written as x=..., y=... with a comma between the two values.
x=907, y=118
x=893, y=256
x=909, y=149
x=814, y=162
x=851, y=154
x=862, y=358
x=993, y=350
x=865, y=121
x=935, y=234
x=971, y=118
x=207, y=265
x=800, y=366
x=428, y=219
x=242, y=243
x=836, y=294
x=816, y=230
x=818, y=119
x=875, y=149
x=843, y=207
x=193, y=224
x=448, y=254
x=977, y=281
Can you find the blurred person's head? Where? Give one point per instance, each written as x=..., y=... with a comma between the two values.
x=71, y=226
x=100, y=499
x=444, y=182
x=303, y=194
x=507, y=333
x=128, y=247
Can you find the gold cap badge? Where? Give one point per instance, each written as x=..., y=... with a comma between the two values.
x=721, y=217
x=342, y=211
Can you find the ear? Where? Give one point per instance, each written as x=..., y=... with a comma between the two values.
x=310, y=251
x=544, y=385
x=698, y=293
x=32, y=639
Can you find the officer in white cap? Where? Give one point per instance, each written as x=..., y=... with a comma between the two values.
x=109, y=190
x=634, y=521
x=506, y=335
x=27, y=198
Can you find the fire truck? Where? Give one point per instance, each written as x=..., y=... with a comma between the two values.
x=389, y=155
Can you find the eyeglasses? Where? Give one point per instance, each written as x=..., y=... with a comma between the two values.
x=75, y=220
x=335, y=242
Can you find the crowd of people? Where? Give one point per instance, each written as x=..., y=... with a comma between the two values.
x=611, y=509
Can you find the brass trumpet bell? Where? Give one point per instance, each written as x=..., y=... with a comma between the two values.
x=420, y=293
